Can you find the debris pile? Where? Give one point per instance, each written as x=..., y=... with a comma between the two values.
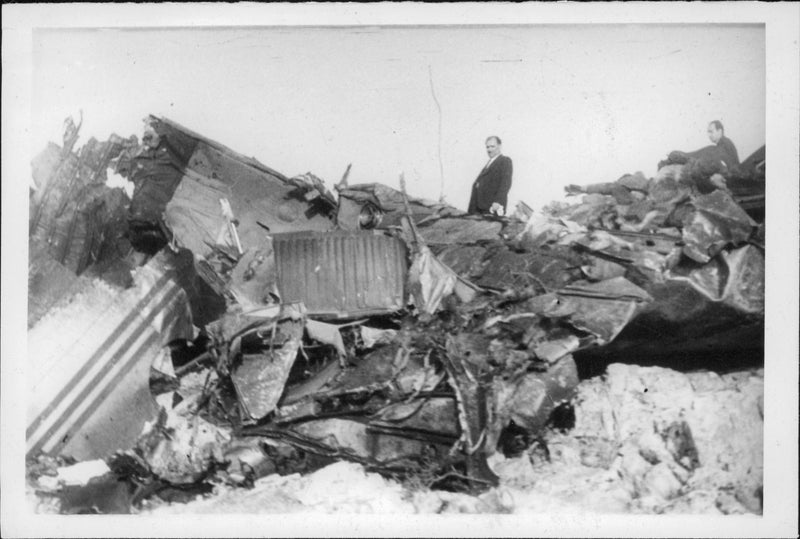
x=227, y=323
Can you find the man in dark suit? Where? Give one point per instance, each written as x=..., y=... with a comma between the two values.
x=490, y=190
x=727, y=151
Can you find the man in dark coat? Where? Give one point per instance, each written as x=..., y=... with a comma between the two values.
x=726, y=150
x=490, y=190
x=722, y=157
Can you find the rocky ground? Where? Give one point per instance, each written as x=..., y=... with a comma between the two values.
x=646, y=440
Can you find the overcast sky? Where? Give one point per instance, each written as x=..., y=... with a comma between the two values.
x=572, y=103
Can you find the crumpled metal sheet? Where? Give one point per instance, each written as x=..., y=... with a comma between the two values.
x=259, y=378
x=373, y=336
x=195, y=216
x=356, y=440
x=735, y=278
x=465, y=260
x=470, y=378
x=388, y=366
x=430, y=281
x=75, y=217
x=744, y=288
x=539, y=269
x=718, y=306
x=602, y=309
x=390, y=371
x=200, y=195
x=529, y=400
x=326, y=333
x=89, y=363
x=553, y=349
x=389, y=205
x=716, y=222
x=426, y=419
x=616, y=288
x=298, y=397
x=189, y=451
x=599, y=269
x=313, y=190
x=464, y=230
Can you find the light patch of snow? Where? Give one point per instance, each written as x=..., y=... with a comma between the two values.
x=82, y=472
x=345, y=487
x=115, y=180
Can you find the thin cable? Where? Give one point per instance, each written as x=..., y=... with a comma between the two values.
x=438, y=108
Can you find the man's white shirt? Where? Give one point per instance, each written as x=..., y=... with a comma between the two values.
x=491, y=161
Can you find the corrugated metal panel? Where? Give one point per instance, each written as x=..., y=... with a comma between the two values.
x=341, y=273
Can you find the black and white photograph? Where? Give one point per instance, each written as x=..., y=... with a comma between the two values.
x=400, y=269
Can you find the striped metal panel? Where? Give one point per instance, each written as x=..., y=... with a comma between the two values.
x=341, y=274
x=81, y=384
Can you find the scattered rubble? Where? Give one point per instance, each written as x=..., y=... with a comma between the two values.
x=226, y=324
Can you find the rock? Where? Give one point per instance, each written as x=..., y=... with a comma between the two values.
x=189, y=452
x=518, y=472
x=680, y=444
x=597, y=452
x=633, y=468
x=565, y=454
x=660, y=481
x=677, y=433
x=344, y=487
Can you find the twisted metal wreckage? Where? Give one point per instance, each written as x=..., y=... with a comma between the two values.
x=279, y=325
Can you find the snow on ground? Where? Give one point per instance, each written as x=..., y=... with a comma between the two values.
x=628, y=453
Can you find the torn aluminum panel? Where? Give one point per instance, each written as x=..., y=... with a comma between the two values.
x=465, y=260
x=181, y=447
x=603, y=309
x=716, y=223
x=430, y=419
x=735, y=278
x=470, y=378
x=599, y=269
x=260, y=378
x=461, y=230
x=197, y=194
x=373, y=205
x=258, y=348
x=387, y=368
x=341, y=274
x=430, y=281
x=352, y=439
x=314, y=191
x=74, y=216
x=717, y=306
x=529, y=399
x=542, y=270
x=299, y=393
x=541, y=229
x=326, y=333
x=372, y=336
x=389, y=371
x=89, y=363
x=255, y=192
